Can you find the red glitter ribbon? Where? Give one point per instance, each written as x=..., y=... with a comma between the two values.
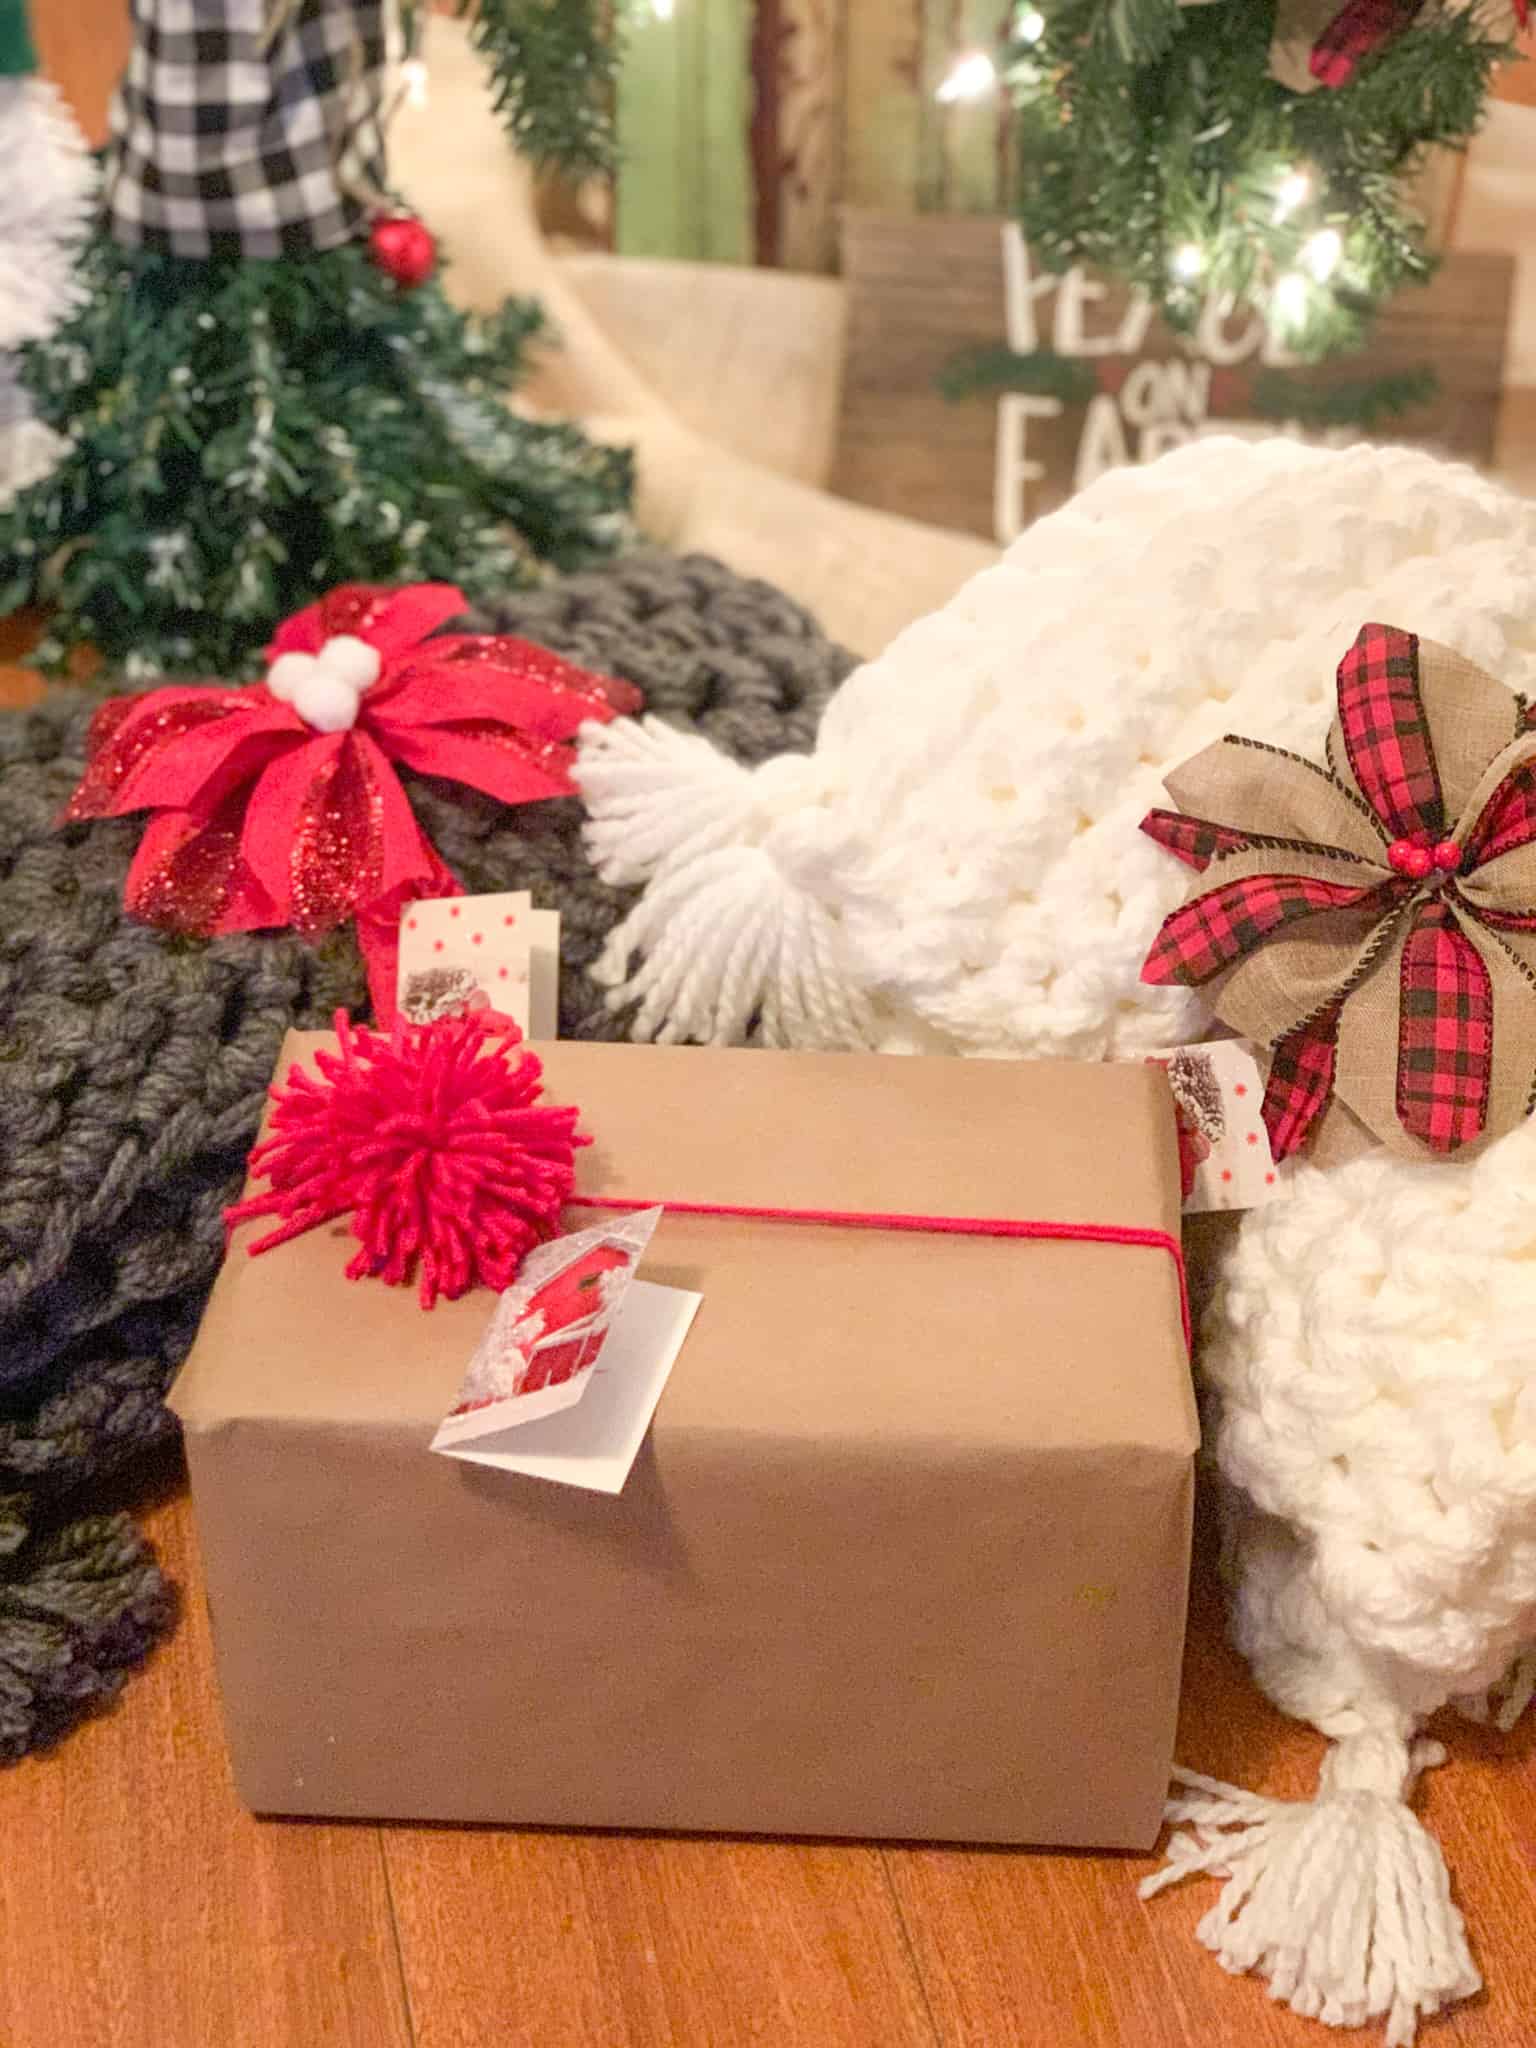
x=259, y=818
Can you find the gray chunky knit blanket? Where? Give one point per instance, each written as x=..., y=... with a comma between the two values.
x=133, y=1067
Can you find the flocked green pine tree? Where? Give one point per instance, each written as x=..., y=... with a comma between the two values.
x=249, y=430
x=1156, y=142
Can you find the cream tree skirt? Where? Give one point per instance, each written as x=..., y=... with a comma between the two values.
x=863, y=574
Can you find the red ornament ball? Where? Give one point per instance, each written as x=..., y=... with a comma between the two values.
x=403, y=249
x=1447, y=856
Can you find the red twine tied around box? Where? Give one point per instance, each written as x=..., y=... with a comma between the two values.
x=1040, y=1230
x=433, y=1139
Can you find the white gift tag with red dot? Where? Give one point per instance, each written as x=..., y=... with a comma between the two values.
x=481, y=953
x=1224, y=1156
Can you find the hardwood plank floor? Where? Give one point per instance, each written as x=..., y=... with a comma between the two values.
x=650, y=1941
x=142, y=1908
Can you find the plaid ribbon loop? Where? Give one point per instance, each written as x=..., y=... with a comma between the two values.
x=1370, y=920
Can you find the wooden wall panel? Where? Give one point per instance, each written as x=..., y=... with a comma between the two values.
x=83, y=46
x=799, y=60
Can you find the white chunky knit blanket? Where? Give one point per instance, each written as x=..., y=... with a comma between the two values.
x=958, y=867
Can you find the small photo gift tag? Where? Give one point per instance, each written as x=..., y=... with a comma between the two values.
x=573, y=1361
x=1224, y=1156
x=481, y=953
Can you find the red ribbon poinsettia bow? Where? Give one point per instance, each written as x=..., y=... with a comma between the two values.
x=1375, y=921
x=278, y=804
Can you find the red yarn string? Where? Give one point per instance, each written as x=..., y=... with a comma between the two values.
x=434, y=1141
x=1036, y=1228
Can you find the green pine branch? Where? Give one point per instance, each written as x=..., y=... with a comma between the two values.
x=1160, y=151
x=995, y=367
x=1365, y=402
x=553, y=64
x=247, y=435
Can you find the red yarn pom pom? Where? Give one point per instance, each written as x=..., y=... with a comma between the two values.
x=432, y=1137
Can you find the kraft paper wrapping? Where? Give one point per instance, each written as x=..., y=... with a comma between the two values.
x=904, y=1555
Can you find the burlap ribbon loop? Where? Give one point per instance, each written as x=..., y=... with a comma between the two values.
x=1373, y=922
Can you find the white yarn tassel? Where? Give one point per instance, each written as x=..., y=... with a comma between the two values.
x=1343, y=1903
x=1503, y=1704
x=727, y=942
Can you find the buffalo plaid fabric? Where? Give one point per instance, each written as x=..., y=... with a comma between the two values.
x=1445, y=1032
x=1195, y=841
x=231, y=143
x=1300, y=1082
x=1205, y=936
x=1386, y=733
x=1354, y=32
x=1508, y=818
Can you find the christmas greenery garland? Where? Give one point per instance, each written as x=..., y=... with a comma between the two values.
x=553, y=67
x=1155, y=143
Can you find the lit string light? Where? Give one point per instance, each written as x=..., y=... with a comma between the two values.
x=969, y=78
x=1289, y=303
x=1321, y=254
x=1295, y=190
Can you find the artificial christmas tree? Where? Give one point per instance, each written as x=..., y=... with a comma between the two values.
x=258, y=409
x=44, y=215
x=1255, y=150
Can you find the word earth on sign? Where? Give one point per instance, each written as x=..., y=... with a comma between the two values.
x=1154, y=406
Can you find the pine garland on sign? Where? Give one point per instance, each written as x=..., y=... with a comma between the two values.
x=1156, y=142
x=1364, y=402
x=993, y=366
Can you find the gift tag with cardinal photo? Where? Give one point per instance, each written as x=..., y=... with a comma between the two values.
x=1225, y=1160
x=573, y=1362
x=496, y=953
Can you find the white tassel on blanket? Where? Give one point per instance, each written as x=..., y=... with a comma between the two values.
x=958, y=867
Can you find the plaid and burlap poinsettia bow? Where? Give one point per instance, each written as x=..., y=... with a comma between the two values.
x=1373, y=922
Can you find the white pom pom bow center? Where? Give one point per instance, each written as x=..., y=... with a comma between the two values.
x=326, y=689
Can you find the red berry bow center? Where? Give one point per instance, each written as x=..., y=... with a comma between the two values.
x=1420, y=862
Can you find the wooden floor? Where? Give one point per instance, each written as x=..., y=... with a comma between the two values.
x=142, y=1909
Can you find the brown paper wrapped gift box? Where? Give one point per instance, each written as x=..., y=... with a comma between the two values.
x=905, y=1551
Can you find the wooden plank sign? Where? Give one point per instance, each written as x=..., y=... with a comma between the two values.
x=926, y=290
